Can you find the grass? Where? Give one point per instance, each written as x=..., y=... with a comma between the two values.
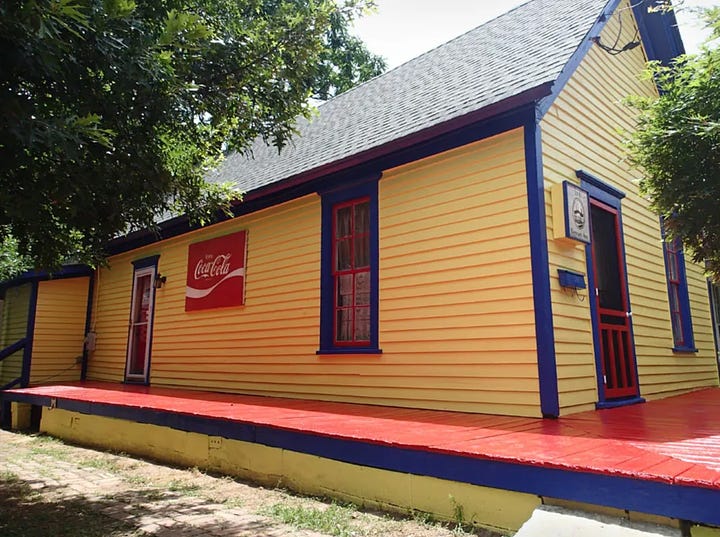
x=183, y=487
x=334, y=520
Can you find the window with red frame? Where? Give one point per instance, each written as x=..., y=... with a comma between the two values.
x=351, y=272
x=672, y=264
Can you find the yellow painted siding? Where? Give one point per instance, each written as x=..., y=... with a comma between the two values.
x=456, y=319
x=455, y=279
x=581, y=132
x=12, y=328
x=59, y=330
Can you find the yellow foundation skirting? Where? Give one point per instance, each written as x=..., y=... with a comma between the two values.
x=21, y=415
x=308, y=474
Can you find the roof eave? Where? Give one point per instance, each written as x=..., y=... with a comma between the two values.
x=283, y=190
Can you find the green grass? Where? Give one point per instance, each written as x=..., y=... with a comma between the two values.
x=183, y=487
x=333, y=520
x=52, y=447
x=100, y=463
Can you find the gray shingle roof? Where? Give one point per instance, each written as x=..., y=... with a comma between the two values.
x=520, y=50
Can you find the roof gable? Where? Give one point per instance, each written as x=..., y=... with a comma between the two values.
x=511, y=54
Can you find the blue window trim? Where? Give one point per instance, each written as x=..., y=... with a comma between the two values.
x=367, y=186
x=611, y=196
x=683, y=295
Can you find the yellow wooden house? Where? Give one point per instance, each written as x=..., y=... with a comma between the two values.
x=459, y=234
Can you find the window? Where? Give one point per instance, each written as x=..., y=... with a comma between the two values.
x=349, y=287
x=679, y=299
x=351, y=272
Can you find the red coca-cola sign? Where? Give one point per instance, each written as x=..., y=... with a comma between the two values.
x=216, y=272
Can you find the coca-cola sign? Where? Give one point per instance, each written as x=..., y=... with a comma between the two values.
x=216, y=272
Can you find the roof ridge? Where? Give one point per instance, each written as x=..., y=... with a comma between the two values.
x=423, y=54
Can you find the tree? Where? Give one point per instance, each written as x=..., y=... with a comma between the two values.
x=677, y=148
x=112, y=112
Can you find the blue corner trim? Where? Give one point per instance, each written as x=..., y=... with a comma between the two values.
x=366, y=187
x=696, y=504
x=88, y=320
x=714, y=316
x=544, y=333
x=612, y=197
x=29, y=336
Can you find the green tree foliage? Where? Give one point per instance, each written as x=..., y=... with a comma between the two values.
x=677, y=148
x=112, y=112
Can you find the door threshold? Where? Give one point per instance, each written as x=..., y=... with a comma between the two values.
x=600, y=405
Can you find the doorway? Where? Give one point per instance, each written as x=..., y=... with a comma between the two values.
x=612, y=317
x=141, y=316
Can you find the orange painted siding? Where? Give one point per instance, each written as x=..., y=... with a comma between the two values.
x=59, y=330
x=581, y=132
x=13, y=326
x=456, y=324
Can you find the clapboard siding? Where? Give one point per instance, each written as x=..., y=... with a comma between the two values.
x=456, y=318
x=580, y=131
x=59, y=330
x=13, y=326
x=456, y=283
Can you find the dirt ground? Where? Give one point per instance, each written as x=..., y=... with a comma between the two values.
x=51, y=488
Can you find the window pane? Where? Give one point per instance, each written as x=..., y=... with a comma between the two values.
x=362, y=324
x=344, y=290
x=362, y=251
x=362, y=288
x=343, y=327
x=362, y=217
x=343, y=218
x=342, y=251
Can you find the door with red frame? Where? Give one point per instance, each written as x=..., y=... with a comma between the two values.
x=141, y=315
x=616, y=352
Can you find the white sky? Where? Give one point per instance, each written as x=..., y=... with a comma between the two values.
x=403, y=29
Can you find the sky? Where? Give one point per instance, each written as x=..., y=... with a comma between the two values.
x=403, y=29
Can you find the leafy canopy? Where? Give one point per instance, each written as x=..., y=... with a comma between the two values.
x=112, y=112
x=677, y=147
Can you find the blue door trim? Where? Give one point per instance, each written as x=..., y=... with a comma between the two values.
x=609, y=195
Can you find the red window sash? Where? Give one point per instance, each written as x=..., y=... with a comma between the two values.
x=352, y=271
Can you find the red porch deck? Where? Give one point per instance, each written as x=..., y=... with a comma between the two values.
x=660, y=457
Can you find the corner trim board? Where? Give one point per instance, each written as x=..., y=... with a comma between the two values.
x=544, y=332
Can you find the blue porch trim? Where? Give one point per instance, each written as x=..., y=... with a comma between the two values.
x=695, y=504
x=544, y=333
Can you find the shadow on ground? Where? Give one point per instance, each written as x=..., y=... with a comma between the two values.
x=26, y=511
